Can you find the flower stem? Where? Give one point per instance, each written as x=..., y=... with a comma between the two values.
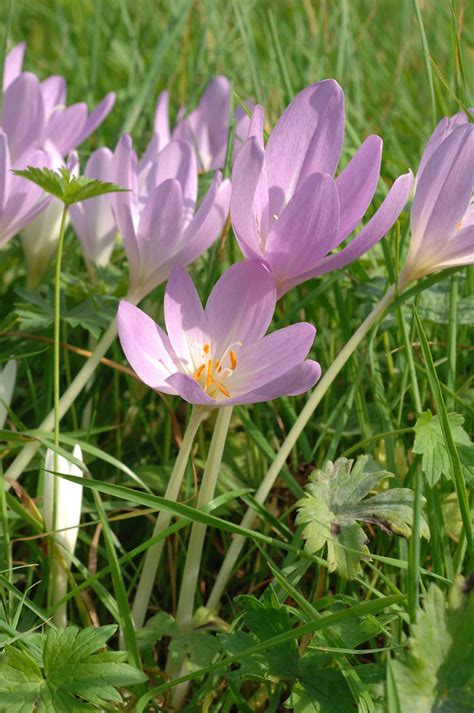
x=153, y=555
x=292, y=437
x=192, y=564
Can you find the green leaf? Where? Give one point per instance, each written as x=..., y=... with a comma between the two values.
x=431, y=444
x=68, y=188
x=436, y=674
x=336, y=502
x=72, y=674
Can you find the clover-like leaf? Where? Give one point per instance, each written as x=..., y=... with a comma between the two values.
x=72, y=676
x=64, y=185
x=336, y=502
x=436, y=675
x=430, y=443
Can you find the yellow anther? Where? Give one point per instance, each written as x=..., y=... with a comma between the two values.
x=198, y=372
x=221, y=388
x=209, y=373
x=206, y=348
x=233, y=359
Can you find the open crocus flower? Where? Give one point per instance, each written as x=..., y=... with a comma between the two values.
x=219, y=355
x=289, y=211
x=44, y=115
x=442, y=214
x=157, y=217
x=7, y=384
x=20, y=200
x=93, y=220
x=206, y=127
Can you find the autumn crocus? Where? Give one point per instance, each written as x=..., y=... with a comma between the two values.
x=206, y=127
x=20, y=201
x=287, y=208
x=219, y=356
x=442, y=214
x=35, y=112
x=157, y=217
x=62, y=513
x=93, y=220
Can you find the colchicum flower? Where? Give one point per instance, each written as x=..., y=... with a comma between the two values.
x=442, y=214
x=206, y=127
x=35, y=112
x=93, y=220
x=7, y=385
x=157, y=218
x=219, y=356
x=68, y=517
x=20, y=200
x=288, y=210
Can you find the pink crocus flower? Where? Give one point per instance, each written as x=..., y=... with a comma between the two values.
x=20, y=200
x=93, y=220
x=44, y=116
x=206, y=127
x=442, y=214
x=287, y=208
x=157, y=217
x=219, y=355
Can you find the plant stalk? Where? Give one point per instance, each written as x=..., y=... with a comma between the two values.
x=291, y=439
x=153, y=555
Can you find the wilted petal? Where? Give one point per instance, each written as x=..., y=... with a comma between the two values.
x=356, y=186
x=241, y=305
x=13, y=64
x=146, y=346
x=443, y=192
x=185, y=320
x=307, y=139
x=305, y=231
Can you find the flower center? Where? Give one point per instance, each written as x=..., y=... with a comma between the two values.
x=212, y=373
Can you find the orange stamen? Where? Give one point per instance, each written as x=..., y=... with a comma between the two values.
x=221, y=388
x=233, y=359
x=209, y=373
x=198, y=372
x=206, y=348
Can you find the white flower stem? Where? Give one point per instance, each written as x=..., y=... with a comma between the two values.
x=291, y=439
x=192, y=564
x=153, y=555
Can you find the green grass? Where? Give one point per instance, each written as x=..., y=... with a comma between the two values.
x=403, y=64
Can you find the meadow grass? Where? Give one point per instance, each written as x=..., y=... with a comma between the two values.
x=402, y=65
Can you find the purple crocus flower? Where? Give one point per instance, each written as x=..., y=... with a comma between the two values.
x=93, y=220
x=219, y=355
x=157, y=217
x=206, y=127
x=442, y=214
x=20, y=200
x=44, y=116
x=288, y=210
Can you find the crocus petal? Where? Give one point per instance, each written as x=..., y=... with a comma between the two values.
x=68, y=498
x=216, y=106
x=5, y=175
x=65, y=126
x=356, y=185
x=185, y=320
x=96, y=117
x=7, y=385
x=189, y=390
x=241, y=305
x=23, y=128
x=443, y=192
x=305, y=231
x=307, y=139
x=146, y=346
x=249, y=196
x=177, y=161
x=294, y=382
x=459, y=250
x=161, y=123
x=270, y=357
x=53, y=91
x=373, y=231
x=13, y=64
x=445, y=127
x=160, y=225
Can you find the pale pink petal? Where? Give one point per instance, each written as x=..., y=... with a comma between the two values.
x=185, y=320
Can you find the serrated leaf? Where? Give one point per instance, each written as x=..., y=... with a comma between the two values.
x=437, y=673
x=64, y=185
x=431, y=445
x=336, y=502
x=72, y=675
